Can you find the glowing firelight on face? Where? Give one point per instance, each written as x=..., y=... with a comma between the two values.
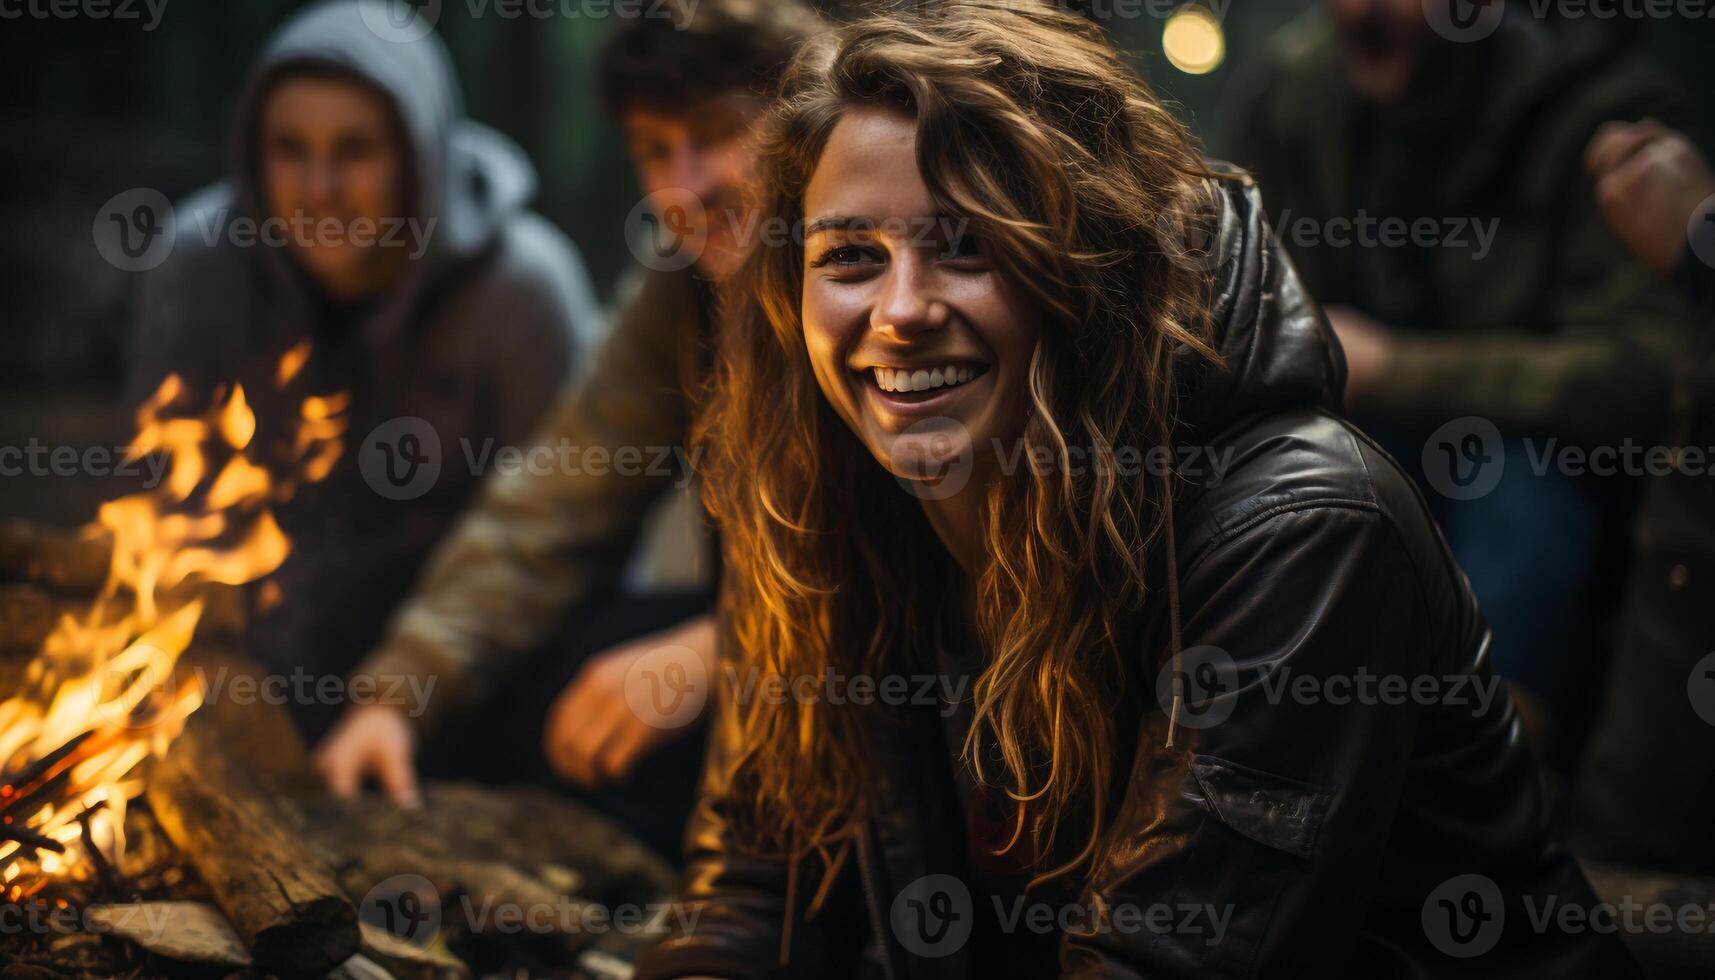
x=100, y=697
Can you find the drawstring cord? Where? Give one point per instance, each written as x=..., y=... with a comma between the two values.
x=1173, y=617
x=829, y=874
x=791, y=904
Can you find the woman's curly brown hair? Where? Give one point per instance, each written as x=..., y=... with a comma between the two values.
x=1086, y=188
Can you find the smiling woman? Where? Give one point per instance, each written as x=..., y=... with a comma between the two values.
x=1122, y=748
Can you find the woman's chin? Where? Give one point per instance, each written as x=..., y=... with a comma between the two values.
x=928, y=465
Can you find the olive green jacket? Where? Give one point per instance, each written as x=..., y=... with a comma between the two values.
x=546, y=534
x=1551, y=329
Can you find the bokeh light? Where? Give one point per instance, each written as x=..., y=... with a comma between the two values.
x=1193, y=40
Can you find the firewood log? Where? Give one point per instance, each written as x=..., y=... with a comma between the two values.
x=27, y=615
x=66, y=561
x=280, y=896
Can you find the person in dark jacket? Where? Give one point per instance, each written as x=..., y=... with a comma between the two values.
x=1646, y=796
x=367, y=218
x=1231, y=716
x=1424, y=174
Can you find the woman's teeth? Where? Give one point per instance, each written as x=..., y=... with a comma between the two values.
x=892, y=379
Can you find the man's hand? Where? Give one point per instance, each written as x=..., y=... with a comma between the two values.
x=371, y=740
x=595, y=733
x=1369, y=350
x=1649, y=180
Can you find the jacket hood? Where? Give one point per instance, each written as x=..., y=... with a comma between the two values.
x=1279, y=350
x=469, y=178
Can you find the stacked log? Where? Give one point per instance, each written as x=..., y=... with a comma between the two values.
x=234, y=828
x=217, y=801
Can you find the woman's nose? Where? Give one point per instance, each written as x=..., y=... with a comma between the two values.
x=908, y=305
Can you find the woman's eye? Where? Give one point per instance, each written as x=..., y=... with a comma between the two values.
x=963, y=247
x=844, y=256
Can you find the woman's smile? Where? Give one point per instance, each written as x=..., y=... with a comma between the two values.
x=926, y=388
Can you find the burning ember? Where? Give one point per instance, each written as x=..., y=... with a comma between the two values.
x=101, y=697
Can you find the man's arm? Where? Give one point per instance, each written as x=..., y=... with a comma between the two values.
x=534, y=544
x=1597, y=379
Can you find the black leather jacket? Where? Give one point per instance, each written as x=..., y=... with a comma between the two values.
x=1403, y=832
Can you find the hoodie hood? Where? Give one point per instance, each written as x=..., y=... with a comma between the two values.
x=468, y=178
x=1279, y=351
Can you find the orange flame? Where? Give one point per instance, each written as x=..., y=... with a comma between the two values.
x=104, y=680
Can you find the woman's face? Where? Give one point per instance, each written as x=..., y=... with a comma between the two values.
x=917, y=340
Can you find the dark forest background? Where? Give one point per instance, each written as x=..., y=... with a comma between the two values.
x=93, y=107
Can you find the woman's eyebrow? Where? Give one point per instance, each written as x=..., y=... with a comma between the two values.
x=843, y=222
x=833, y=222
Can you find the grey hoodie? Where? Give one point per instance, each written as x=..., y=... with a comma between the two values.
x=470, y=347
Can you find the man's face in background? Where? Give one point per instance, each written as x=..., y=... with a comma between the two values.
x=1386, y=45
x=702, y=149
x=330, y=159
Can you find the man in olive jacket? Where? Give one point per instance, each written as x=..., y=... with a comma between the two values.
x=541, y=545
x=1429, y=186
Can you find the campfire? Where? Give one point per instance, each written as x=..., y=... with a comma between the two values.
x=100, y=697
x=144, y=832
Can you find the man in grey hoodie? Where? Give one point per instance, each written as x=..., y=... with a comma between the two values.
x=365, y=215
